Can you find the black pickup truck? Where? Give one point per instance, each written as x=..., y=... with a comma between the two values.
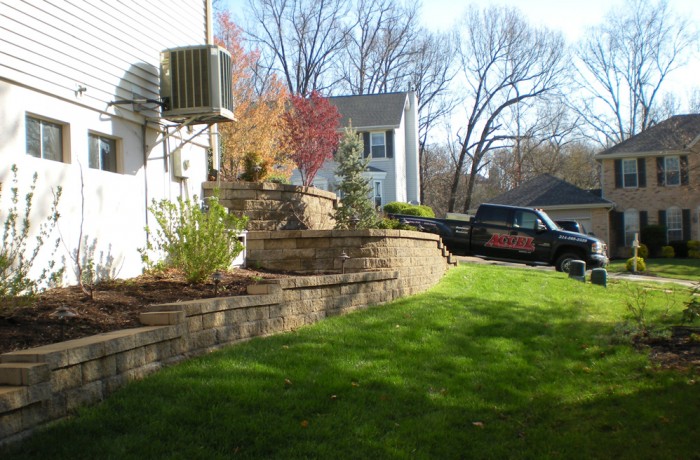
x=513, y=234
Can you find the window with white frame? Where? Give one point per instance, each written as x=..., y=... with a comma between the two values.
x=629, y=173
x=672, y=170
x=102, y=152
x=378, y=145
x=674, y=224
x=631, y=222
x=377, y=194
x=44, y=139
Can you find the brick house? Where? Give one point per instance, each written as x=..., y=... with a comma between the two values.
x=654, y=178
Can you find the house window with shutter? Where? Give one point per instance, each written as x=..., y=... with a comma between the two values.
x=674, y=224
x=378, y=145
x=629, y=173
x=631, y=222
x=672, y=170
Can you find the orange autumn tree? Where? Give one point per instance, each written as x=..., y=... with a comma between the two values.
x=250, y=146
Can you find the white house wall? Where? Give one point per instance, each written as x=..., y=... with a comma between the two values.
x=412, y=167
x=48, y=49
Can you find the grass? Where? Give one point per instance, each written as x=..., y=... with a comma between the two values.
x=684, y=269
x=494, y=362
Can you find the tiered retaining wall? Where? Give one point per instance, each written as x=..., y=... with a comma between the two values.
x=277, y=206
x=420, y=258
x=47, y=383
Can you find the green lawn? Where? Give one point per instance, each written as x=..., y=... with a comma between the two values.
x=684, y=269
x=494, y=362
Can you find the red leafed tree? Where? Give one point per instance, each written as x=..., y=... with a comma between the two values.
x=310, y=134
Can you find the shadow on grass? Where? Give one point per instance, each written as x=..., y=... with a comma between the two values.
x=435, y=376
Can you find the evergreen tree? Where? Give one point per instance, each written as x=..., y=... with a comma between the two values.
x=354, y=189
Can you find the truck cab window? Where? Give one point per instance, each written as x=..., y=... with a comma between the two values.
x=526, y=220
x=492, y=215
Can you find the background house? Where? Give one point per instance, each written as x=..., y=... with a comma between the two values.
x=62, y=65
x=388, y=124
x=561, y=201
x=654, y=178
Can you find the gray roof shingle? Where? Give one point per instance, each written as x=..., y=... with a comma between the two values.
x=547, y=190
x=371, y=110
x=673, y=134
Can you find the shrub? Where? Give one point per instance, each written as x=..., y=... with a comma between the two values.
x=395, y=207
x=654, y=236
x=393, y=224
x=643, y=251
x=16, y=259
x=668, y=252
x=277, y=179
x=357, y=210
x=694, y=249
x=641, y=265
x=407, y=209
x=680, y=248
x=195, y=240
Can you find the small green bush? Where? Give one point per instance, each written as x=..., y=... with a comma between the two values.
x=395, y=207
x=18, y=249
x=668, y=252
x=195, y=240
x=694, y=249
x=641, y=265
x=393, y=224
x=407, y=209
x=277, y=179
x=643, y=251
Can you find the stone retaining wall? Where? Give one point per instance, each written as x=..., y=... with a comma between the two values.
x=47, y=383
x=277, y=206
x=420, y=258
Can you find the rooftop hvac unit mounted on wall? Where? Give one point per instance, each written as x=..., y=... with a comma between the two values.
x=195, y=84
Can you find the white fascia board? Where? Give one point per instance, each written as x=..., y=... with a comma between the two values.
x=371, y=128
x=657, y=153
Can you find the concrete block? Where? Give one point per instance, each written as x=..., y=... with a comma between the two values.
x=12, y=398
x=66, y=378
x=163, y=318
x=130, y=359
x=34, y=415
x=24, y=373
x=10, y=423
x=84, y=396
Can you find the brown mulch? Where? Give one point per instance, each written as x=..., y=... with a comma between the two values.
x=115, y=305
x=680, y=352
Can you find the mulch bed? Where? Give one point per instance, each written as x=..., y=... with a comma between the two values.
x=115, y=305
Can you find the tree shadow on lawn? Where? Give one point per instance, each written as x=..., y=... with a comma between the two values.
x=490, y=380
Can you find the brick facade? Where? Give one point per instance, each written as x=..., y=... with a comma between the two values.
x=650, y=198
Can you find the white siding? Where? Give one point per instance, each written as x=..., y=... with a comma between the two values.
x=112, y=48
x=49, y=48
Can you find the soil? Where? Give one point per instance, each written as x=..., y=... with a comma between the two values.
x=115, y=305
x=681, y=351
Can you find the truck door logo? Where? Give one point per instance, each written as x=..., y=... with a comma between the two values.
x=518, y=243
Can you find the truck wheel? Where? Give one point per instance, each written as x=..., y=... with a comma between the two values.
x=564, y=261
